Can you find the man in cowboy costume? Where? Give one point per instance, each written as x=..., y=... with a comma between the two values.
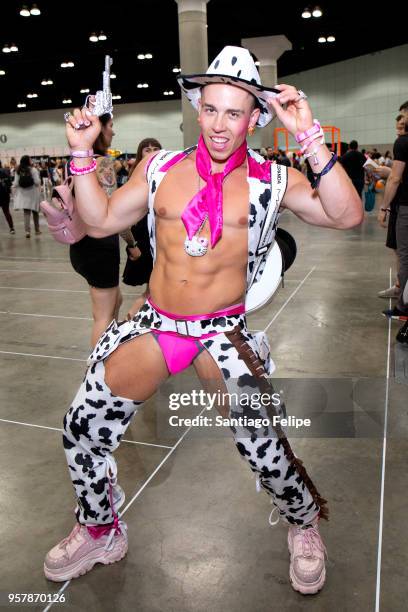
x=207, y=206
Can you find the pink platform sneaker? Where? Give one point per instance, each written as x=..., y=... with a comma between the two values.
x=78, y=553
x=307, y=570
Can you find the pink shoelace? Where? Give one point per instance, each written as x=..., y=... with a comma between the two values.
x=96, y=532
x=71, y=536
x=311, y=539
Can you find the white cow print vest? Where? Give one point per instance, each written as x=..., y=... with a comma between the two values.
x=265, y=187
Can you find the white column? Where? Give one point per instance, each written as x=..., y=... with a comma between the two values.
x=192, y=18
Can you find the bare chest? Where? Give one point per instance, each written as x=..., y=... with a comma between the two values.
x=182, y=183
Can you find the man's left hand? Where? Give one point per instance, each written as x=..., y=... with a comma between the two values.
x=297, y=117
x=134, y=253
x=382, y=218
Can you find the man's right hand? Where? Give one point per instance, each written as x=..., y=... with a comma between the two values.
x=82, y=128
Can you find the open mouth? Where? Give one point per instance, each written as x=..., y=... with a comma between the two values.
x=219, y=142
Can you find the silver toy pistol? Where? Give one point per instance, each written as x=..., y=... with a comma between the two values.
x=103, y=99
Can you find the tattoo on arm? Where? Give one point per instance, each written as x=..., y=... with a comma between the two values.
x=127, y=236
x=106, y=172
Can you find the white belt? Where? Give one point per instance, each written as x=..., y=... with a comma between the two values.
x=198, y=328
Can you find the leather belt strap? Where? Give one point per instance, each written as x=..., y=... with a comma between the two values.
x=256, y=368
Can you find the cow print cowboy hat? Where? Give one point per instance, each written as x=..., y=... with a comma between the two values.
x=233, y=66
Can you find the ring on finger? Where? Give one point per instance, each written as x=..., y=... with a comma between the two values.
x=302, y=95
x=67, y=117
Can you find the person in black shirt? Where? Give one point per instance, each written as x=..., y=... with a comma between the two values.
x=139, y=265
x=353, y=162
x=391, y=242
x=283, y=159
x=397, y=187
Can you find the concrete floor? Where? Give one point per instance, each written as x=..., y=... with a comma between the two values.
x=199, y=537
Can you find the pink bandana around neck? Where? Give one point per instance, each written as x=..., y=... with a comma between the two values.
x=208, y=201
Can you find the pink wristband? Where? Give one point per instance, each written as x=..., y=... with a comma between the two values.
x=300, y=136
x=82, y=153
x=306, y=143
x=85, y=170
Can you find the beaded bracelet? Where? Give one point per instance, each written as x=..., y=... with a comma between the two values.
x=326, y=169
x=85, y=170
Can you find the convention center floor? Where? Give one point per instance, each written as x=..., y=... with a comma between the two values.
x=199, y=537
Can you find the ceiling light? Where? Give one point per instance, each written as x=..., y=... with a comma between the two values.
x=176, y=69
x=306, y=14
x=84, y=91
x=148, y=56
x=67, y=101
x=117, y=97
x=13, y=47
x=67, y=65
x=32, y=95
x=2, y=72
x=6, y=49
x=21, y=105
x=317, y=12
x=25, y=12
x=35, y=10
x=140, y=56
x=102, y=36
x=113, y=75
x=321, y=39
x=145, y=85
x=93, y=37
x=168, y=93
x=45, y=82
x=331, y=38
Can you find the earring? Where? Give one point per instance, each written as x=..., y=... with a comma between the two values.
x=251, y=131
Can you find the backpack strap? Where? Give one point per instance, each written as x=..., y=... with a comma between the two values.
x=279, y=182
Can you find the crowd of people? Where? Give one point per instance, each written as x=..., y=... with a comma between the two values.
x=23, y=185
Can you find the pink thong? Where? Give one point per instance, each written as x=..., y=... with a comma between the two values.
x=180, y=351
